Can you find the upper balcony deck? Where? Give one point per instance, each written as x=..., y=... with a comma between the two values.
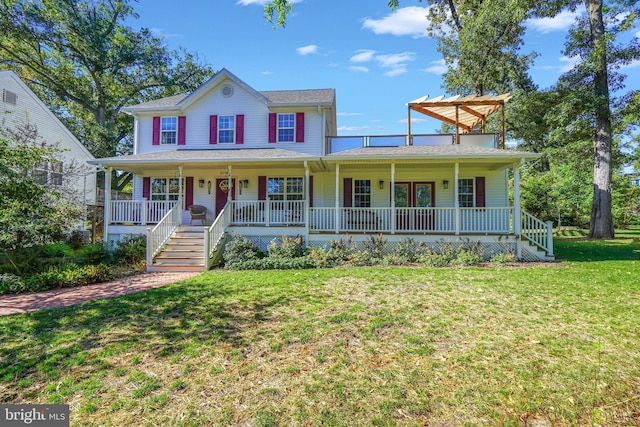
x=336, y=144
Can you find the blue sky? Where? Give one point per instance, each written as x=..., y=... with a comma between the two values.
x=375, y=58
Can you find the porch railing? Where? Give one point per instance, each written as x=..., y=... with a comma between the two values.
x=160, y=234
x=537, y=232
x=268, y=212
x=139, y=212
x=215, y=233
x=485, y=220
x=335, y=144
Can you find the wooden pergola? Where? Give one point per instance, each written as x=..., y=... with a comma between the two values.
x=466, y=113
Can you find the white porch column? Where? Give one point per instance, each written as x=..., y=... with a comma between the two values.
x=393, y=198
x=517, y=213
x=456, y=201
x=180, y=193
x=337, y=198
x=307, y=203
x=107, y=203
x=229, y=185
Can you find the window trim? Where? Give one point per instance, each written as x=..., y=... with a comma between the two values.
x=366, y=194
x=164, y=131
x=231, y=129
x=292, y=128
x=167, y=185
x=285, y=195
x=472, y=194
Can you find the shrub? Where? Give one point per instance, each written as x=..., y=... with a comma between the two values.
x=94, y=253
x=374, y=248
x=239, y=249
x=76, y=239
x=361, y=259
x=131, y=250
x=503, y=258
x=58, y=250
x=274, y=263
x=10, y=284
x=406, y=252
x=339, y=252
x=471, y=256
x=68, y=275
x=290, y=247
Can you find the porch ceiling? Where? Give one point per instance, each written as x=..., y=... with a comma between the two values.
x=471, y=110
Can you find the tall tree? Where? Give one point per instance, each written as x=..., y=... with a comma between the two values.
x=85, y=63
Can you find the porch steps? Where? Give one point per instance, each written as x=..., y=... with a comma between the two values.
x=535, y=251
x=183, y=252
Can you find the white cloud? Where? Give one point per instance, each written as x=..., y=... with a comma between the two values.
x=363, y=55
x=352, y=128
x=260, y=2
x=414, y=120
x=560, y=22
x=638, y=34
x=632, y=64
x=568, y=63
x=438, y=67
x=307, y=50
x=159, y=32
x=266, y=73
x=405, y=21
x=358, y=69
x=349, y=114
x=395, y=72
x=396, y=59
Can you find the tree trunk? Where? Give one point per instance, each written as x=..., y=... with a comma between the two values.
x=601, y=224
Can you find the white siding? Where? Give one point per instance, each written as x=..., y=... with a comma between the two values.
x=256, y=123
x=77, y=175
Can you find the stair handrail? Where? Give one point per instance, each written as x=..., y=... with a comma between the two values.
x=538, y=232
x=160, y=234
x=215, y=233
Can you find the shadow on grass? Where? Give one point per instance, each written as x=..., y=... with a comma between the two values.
x=160, y=322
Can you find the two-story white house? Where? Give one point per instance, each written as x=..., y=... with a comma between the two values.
x=268, y=164
x=21, y=108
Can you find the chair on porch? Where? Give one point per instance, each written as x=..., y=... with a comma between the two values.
x=199, y=213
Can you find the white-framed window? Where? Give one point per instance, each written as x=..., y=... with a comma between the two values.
x=465, y=192
x=48, y=173
x=168, y=130
x=286, y=127
x=227, y=129
x=289, y=188
x=165, y=188
x=361, y=193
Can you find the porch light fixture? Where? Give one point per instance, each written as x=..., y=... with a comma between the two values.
x=381, y=184
x=201, y=183
x=445, y=184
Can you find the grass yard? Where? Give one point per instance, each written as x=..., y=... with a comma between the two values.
x=539, y=345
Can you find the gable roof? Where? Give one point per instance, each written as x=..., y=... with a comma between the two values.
x=270, y=98
x=11, y=75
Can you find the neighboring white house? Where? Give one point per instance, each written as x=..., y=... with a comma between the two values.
x=268, y=164
x=20, y=107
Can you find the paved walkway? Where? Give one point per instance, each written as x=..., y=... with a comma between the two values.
x=11, y=304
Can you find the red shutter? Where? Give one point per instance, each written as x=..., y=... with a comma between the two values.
x=188, y=192
x=262, y=188
x=156, y=131
x=273, y=124
x=311, y=191
x=347, y=199
x=299, y=127
x=240, y=129
x=182, y=130
x=146, y=187
x=480, y=192
x=213, y=129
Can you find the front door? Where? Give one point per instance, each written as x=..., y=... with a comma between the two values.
x=412, y=202
x=222, y=191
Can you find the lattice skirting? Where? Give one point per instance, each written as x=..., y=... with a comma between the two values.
x=488, y=249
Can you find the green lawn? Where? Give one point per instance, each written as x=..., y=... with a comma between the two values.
x=554, y=344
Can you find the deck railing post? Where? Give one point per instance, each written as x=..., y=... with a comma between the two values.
x=550, y=238
x=149, y=249
x=143, y=211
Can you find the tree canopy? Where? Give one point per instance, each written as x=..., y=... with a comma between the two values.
x=85, y=63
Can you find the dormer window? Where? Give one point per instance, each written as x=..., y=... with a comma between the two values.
x=168, y=130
